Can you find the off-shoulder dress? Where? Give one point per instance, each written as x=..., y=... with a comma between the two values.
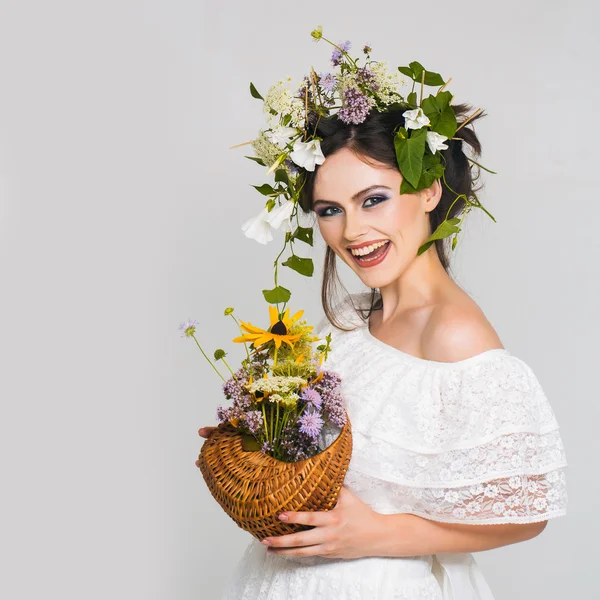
x=474, y=441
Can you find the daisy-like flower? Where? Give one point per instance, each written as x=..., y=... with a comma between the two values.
x=312, y=397
x=311, y=424
x=415, y=118
x=307, y=154
x=327, y=81
x=277, y=332
x=435, y=141
x=188, y=328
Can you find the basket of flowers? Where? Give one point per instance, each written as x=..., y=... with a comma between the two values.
x=286, y=441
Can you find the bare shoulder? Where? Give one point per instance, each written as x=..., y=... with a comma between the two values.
x=458, y=331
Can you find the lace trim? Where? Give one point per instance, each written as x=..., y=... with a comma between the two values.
x=515, y=499
x=504, y=456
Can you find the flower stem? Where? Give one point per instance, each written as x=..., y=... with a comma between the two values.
x=228, y=367
x=208, y=359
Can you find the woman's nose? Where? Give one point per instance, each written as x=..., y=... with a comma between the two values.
x=355, y=227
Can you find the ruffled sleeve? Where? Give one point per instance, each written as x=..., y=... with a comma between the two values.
x=475, y=443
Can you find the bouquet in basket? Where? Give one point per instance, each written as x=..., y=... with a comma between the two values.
x=271, y=450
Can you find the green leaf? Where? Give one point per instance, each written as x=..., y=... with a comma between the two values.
x=431, y=78
x=286, y=120
x=304, y=266
x=412, y=98
x=270, y=204
x=417, y=68
x=446, y=124
x=254, y=92
x=260, y=161
x=249, y=443
x=430, y=109
x=409, y=154
x=265, y=189
x=443, y=100
x=432, y=170
x=406, y=71
x=304, y=234
x=444, y=230
x=282, y=176
x=277, y=295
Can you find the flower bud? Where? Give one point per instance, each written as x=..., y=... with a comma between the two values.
x=317, y=33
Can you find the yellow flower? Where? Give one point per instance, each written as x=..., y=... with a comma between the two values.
x=277, y=332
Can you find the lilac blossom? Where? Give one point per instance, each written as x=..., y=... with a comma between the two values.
x=253, y=419
x=365, y=76
x=355, y=107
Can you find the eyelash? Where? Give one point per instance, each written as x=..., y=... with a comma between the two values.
x=321, y=213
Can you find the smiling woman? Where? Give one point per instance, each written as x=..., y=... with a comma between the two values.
x=456, y=448
x=356, y=197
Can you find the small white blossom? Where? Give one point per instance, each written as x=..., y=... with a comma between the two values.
x=258, y=228
x=307, y=154
x=280, y=99
x=280, y=136
x=415, y=118
x=435, y=141
x=279, y=217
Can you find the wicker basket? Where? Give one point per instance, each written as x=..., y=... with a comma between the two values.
x=253, y=487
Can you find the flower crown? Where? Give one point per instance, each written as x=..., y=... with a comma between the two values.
x=289, y=146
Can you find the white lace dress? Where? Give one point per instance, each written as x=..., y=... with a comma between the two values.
x=474, y=441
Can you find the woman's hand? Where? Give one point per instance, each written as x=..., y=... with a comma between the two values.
x=205, y=433
x=350, y=530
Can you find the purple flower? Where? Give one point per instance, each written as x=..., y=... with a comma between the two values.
x=253, y=419
x=367, y=77
x=327, y=81
x=312, y=397
x=336, y=55
x=355, y=106
x=329, y=387
x=294, y=170
x=310, y=424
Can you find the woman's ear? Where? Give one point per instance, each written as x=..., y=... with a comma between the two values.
x=432, y=195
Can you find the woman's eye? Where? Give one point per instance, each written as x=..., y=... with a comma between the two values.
x=378, y=200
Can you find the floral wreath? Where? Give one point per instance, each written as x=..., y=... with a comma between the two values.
x=289, y=147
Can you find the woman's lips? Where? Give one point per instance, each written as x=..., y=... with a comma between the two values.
x=379, y=253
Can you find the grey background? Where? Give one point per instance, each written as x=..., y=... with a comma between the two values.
x=120, y=215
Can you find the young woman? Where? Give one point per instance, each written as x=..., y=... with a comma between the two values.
x=455, y=446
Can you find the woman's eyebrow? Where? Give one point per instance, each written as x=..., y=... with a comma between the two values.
x=354, y=196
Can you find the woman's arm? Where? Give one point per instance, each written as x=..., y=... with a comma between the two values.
x=403, y=535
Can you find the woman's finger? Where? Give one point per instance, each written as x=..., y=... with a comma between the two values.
x=205, y=431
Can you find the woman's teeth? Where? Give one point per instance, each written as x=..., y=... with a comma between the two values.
x=367, y=249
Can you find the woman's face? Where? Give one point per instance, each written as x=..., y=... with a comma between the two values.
x=356, y=202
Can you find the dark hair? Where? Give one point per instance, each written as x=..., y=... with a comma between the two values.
x=374, y=139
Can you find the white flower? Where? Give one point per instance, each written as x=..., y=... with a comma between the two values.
x=280, y=135
x=280, y=216
x=258, y=228
x=307, y=154
x=435, y=141
x=415, y=119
